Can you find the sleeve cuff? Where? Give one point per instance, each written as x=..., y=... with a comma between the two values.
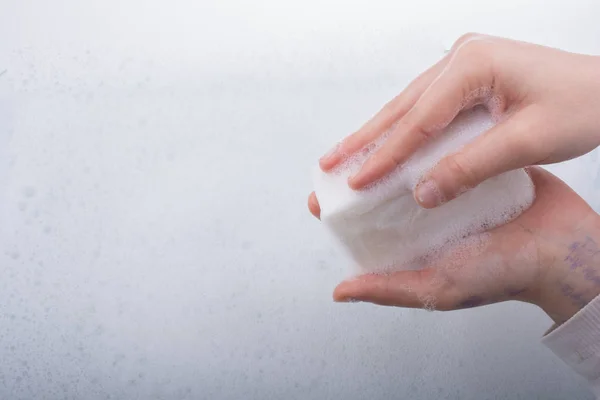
x=577, y=343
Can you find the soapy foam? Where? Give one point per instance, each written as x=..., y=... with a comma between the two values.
x=382, y=227
x=485, y=96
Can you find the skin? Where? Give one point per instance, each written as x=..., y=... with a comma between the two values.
x=530, y=259
x=545, y=101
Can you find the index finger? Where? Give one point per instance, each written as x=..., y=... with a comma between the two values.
x=434, y=110
x=377, y=125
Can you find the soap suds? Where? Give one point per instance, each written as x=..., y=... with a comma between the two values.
x=383, y=229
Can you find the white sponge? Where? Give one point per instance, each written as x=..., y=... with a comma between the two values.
x=383, y=228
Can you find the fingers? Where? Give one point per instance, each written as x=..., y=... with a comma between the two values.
x=503, y=148
x=468, y=70
x=391, y=112
x=313, y=205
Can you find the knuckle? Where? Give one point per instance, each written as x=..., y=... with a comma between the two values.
x=392, y=151
x=394, y=156
x=465, y=38
x=470, y=38
x=416, y=127
x=462, y=170
x=474, y=51
x=394, y=159
x=425, y=134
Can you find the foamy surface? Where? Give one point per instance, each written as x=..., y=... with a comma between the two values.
x=383, y=228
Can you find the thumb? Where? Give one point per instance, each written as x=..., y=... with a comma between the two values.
x=413, y=289
x=504, y=147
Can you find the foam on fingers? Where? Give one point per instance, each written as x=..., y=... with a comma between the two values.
x=383, y=228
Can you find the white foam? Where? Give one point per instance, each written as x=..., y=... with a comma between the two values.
x=383, y=228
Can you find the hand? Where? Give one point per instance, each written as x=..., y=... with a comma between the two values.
x=545, y=101
x=546, y=256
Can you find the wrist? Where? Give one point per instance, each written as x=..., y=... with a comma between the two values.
x=571, y=276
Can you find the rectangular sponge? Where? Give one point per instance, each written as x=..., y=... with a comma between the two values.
x=382, y=228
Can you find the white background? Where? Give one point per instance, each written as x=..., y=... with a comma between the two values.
x=155, y=160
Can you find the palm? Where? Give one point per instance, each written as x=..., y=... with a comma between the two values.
x=505, y=263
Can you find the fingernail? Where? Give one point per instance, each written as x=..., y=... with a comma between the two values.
x=428, y=195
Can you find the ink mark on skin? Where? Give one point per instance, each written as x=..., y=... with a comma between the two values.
x=473, y=301
x=577, y=298
x=514, y=292
x=3, y=72
x=582, y=253
x=567, y=290
x=591, y=275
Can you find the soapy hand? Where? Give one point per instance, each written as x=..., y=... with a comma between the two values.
x=545, y=102
x=545, y=256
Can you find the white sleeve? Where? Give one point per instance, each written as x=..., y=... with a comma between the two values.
x=577, y=343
